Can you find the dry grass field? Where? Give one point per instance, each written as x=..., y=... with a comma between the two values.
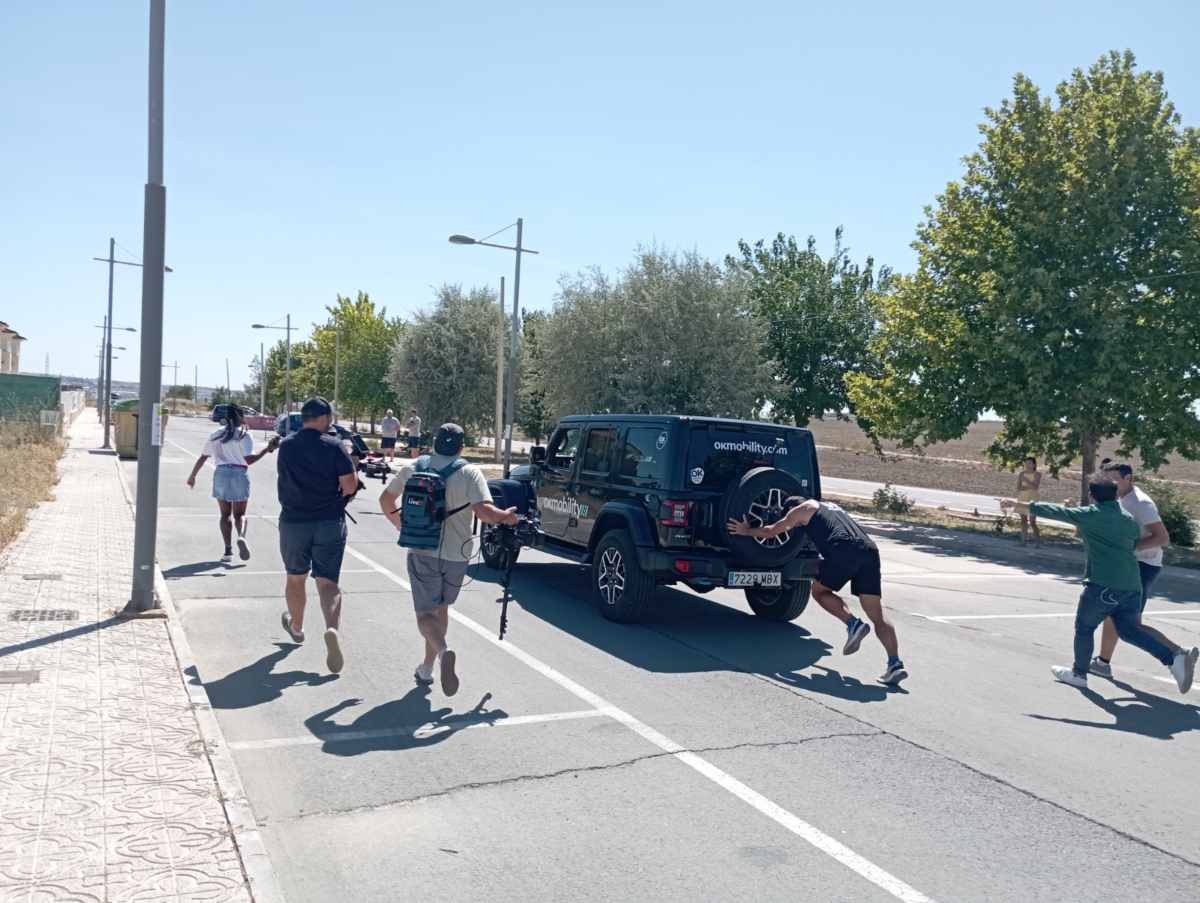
x=28, y=469
x=849, y=454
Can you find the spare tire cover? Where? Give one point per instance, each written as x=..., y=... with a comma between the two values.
x=760, y=496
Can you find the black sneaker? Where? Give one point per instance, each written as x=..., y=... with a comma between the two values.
x=856, y=632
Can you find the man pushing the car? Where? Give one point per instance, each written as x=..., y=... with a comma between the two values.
x=848, y=555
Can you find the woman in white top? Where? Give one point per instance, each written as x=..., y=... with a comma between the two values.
x=232, y=451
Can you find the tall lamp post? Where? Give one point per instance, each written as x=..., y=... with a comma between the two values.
x=287, y=371
x=154, y=238
x=516, y=329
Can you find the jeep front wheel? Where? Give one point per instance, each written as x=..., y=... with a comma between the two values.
x=622, y=589
x=782, y=604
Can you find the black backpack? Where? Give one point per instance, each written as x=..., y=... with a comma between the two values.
x=423, y=504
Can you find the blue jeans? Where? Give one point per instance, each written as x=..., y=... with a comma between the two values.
x=1149, y=573
x=1125, y=608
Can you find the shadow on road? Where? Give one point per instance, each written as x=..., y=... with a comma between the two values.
x=1142, y=713
x=687, y=633
x=257, y=683
x=404, y=723
x=202, y=569
x=72, y=633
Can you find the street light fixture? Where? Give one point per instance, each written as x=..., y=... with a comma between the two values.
x=287, y=372
x=516, y=328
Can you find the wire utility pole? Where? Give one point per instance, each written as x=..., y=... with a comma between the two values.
x=500, y=376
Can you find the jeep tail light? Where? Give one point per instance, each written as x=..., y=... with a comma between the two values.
x=674, y=514
x=683, y=566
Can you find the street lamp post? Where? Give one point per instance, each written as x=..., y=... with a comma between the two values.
x=287, y=371
x=516, y=329
x=154, y=234
x=106, y=364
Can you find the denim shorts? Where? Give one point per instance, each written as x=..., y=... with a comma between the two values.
x=231, y=484
x=315, y=546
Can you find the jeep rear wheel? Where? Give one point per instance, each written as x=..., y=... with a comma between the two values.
x=622, y=589
x=761, y=497
x=783, y=604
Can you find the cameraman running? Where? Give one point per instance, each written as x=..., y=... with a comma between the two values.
x=848, y=555
x=437, y=575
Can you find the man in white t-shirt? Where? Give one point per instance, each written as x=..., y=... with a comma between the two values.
x=1149, y=554
x=390, y=428
x=437, y=575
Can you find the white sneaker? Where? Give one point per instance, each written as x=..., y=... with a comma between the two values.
x=243, y=548
x=1069, y=677
x=423, y=675
x=1183, y=669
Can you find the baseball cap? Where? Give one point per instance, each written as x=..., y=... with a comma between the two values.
x=315, y=407
x=449, y=439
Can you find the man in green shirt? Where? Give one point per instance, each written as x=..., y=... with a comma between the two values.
x=1112, y=585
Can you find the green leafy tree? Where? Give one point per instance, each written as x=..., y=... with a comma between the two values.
x=368, y=337
x=276, y=372
x=1057, y=282
x=818, y=319
x=444, y=362
x=183, y=391
x=673, y=334
x=533, y=413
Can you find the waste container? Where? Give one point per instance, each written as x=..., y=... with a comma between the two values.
x=125, y=420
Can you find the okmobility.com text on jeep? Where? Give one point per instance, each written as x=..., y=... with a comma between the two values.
x=643, y=500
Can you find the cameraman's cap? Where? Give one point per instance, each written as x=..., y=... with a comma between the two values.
x=449, y=439
x=315, y=407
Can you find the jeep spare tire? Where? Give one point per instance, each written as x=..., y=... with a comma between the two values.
x=760, y=496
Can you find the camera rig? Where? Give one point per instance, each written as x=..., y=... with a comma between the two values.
x=502, y=542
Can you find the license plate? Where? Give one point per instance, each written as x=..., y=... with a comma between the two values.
x=755, y=578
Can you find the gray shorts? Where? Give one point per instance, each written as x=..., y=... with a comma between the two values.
x=434, y=582
x=317, y=546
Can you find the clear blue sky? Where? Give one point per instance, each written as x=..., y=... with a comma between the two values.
x=315, y=147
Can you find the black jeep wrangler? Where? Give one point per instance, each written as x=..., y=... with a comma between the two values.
x=643, y=500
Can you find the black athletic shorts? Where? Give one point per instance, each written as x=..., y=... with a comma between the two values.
x=315, y=545
x=855, y=564
x=387, y=442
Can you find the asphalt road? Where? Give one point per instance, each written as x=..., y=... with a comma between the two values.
x=707, y=755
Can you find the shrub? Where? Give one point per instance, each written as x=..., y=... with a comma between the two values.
x=1176, y=516
x=892, y=500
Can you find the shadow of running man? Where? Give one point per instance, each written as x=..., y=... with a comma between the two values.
x=1139, y=713
x=404, y=723
x=258, y=683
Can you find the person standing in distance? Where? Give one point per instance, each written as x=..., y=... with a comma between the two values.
x=413, y=427
x=316, y=481
x=848, y=555
x=390, y=428
x=1148, y=552
x=437, y=575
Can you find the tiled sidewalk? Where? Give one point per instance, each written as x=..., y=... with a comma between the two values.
x=107, y=791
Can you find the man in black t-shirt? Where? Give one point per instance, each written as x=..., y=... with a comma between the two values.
x=848, y=555
x=316, y=480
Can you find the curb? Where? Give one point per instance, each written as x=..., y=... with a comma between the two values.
x=247, y=840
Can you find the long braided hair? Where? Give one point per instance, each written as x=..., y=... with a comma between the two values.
x=233, y=423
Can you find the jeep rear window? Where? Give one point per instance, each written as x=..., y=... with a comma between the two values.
x=718, y=455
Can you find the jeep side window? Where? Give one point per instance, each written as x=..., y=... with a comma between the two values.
x=597, y=454
x=563, y=448
x=643, y=456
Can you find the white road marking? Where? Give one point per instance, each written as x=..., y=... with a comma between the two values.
x=1056, y=614
x=231, y=572
x=418, y=731
x=802, y=829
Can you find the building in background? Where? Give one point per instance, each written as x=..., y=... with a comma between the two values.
x=10, y=349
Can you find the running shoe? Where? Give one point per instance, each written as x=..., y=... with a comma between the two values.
x=227, y=555
x=1069, y=677
x=1100, y=668
x=296, y=635
x=449, y=678
x=856, y=632
x=243, y=548
x=893, y=675
x=1183, y=669
x=334, y=660
x=423, y=677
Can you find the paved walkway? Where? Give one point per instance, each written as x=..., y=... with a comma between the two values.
x=107, y=791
